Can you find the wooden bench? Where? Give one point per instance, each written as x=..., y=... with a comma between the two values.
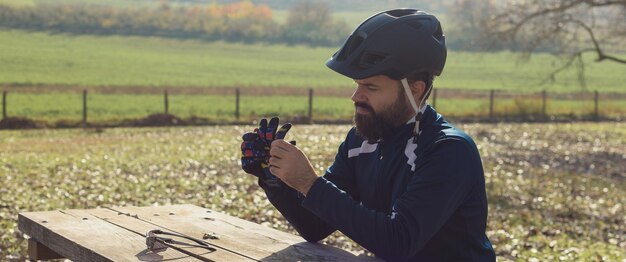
x=118, y=234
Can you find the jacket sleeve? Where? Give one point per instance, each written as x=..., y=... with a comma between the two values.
x=289, y=202
x=444, y=176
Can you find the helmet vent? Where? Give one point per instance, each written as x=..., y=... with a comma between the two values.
x=438, y=34
x=371, y=59
x=353, y=43
x=401, y=12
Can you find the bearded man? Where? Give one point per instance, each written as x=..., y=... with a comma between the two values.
x=405, y=184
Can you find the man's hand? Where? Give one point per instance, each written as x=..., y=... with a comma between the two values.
x=289, y=163
x=256, y=146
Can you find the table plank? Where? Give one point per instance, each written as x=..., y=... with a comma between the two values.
x=247, y=238
x=88, y=239
x=138, y=224
x=117, y=234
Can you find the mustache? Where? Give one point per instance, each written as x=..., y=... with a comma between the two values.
x=364, y=105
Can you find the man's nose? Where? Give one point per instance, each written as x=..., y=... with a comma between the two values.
x=359, y=95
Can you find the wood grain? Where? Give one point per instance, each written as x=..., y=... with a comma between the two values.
x=244, y=237
x=118, y=234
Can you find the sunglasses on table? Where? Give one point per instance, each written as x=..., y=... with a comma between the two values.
x=152, y=237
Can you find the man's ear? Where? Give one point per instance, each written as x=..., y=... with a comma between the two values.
x=418, y=88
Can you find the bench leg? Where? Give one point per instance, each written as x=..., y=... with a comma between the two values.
x=37, y=251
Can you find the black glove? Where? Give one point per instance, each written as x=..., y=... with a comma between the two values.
x=268, y=133
x=254, y=153
x=256, y=146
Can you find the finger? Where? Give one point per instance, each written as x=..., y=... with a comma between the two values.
x=259, y=145
x=262, y=128
x=282, y=132
x=274, y=161
x=249, y=146
x=250, y=137
x=276, y=171
x=281, y=146
x=278, y=153
x=271, y=129
x=263, y=124
x=279, y=156
x=246, y=151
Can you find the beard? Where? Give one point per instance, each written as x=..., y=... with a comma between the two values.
x=376, y=125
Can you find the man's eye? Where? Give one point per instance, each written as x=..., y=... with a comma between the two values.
x=370, y=87
x=367, y=87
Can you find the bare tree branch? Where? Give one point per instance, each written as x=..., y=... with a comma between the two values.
x=543, y=12
x=601, y=54
x=565, y=27
x=570, y=61
x=605, y=3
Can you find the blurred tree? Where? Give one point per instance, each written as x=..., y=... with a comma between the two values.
x=312, y=23
x=565, y=27
x=468, y=19
x=238, y=21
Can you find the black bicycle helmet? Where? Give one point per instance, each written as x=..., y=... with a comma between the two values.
x=395, y=43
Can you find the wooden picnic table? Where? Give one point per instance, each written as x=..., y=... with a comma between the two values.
x=118, y=234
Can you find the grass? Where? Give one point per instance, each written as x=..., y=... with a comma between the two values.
x=40, y=58
x=512, y=107
x=103, y=108
x=18, y=3
x=36, y=58
x=555, y=190
x=113, y=108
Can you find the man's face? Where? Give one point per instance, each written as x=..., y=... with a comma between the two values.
x=380, y=105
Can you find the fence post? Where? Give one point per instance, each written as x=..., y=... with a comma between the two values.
x=435, y=98
x=84, y=106
x=596, y=114
x=544, y=98
x=491, y=94
x=166, y=101
x=237, y=94
x=4, y=104
x=310, y=105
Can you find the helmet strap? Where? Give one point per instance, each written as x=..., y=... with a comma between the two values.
x=418, y=111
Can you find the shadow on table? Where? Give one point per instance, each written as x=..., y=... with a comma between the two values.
x=306, y=251
x=153, y=255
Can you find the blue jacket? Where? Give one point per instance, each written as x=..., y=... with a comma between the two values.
x=401, y=201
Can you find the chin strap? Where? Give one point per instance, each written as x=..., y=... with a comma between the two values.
x=419, y=111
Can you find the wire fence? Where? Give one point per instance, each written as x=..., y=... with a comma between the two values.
x=76, y=106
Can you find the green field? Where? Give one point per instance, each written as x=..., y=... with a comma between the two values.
x=125, y=63
x=36, y=58
x=40, y=58
x=112, y=108
x=556, y=191
x=58, y=109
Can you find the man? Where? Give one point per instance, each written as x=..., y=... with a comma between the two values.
x=405, y=184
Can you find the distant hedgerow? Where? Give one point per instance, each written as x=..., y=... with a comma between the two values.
x=241, y=21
